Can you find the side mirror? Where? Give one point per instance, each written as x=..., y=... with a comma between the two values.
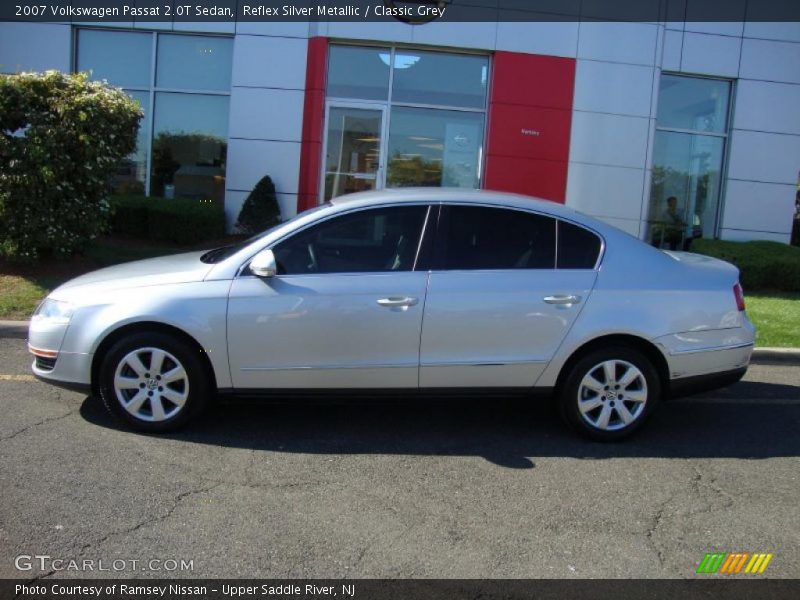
x=263, y=264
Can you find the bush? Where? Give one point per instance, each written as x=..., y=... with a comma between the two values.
x=178, y=220
x=260, y=210
x=61, y=136
x=763, y=265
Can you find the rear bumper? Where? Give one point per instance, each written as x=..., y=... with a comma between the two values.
x=687, y=386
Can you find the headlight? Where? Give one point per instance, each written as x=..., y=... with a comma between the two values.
x=54, y=311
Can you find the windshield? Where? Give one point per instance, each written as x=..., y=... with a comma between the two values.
x=219, y=254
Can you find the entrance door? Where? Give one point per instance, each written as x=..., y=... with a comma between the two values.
x=353, y=147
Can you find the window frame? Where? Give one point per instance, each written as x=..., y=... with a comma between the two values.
x=389, y=103
x=439, y=251
x=421, y=256
x=724, y=136
x=152, y=90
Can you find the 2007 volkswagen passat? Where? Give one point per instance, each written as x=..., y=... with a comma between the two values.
x=406, y=290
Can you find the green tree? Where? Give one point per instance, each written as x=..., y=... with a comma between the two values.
x=61, y=137
x=260, y=210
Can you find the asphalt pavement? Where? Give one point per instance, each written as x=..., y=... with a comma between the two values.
x=490, y=488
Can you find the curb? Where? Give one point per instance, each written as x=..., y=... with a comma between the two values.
x=789, y=356
x=19, y=330
x=14, y=329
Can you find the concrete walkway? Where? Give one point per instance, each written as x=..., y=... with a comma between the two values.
x=19, y=329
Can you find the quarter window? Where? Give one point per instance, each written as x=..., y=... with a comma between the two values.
x=377, y=240
x=494, y=238
x=578, y=248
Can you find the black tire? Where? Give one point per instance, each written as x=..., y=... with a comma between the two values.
x=589, y=423
x=192, y=388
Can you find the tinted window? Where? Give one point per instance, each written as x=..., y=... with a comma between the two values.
x=495, y=238
x=383, y=239
x=578, y=248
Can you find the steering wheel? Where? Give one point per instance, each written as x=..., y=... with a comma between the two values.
x=313, y=265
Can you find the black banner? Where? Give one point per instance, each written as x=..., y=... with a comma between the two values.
x=425, y=589
x=407, y=11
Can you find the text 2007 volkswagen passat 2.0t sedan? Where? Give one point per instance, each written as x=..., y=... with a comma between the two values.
x=405, y=290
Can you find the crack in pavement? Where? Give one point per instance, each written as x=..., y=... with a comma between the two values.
x=157, y=519
x=37, y=424
x=699, y=485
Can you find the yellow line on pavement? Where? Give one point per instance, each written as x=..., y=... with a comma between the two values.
x=5, y=377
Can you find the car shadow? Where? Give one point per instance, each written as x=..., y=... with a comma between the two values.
x=748, y=420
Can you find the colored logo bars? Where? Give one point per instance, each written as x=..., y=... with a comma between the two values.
x=734, y=562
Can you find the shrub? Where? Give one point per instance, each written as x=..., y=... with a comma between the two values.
x=260, y=210
x=763, y=265
x=178, y=220
x=61, y=136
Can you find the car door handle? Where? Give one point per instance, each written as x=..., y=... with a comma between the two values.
x=563, y=299
x=394, y=302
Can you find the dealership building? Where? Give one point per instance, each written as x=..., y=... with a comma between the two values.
x=611, y=118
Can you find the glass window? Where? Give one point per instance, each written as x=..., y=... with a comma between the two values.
x=131, y=174
x=685, y=188
x=377, y=240
x=429, y=147
x=122, y=58
x=693, y=103
x=691, y=132
x=353, y=150
x=194, y=62
x=495, y=238
x=436, y=119
x=578, y=248
x=355, y=72
x=190, y=142
x=439, y=78
x=187, y=132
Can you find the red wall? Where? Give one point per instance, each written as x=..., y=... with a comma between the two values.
x=530, y=114
x=313, y=117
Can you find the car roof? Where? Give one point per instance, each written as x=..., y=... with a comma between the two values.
x=460, y=196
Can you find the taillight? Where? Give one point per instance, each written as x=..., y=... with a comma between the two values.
x=739, y=295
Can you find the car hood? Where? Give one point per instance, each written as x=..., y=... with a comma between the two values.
x=176, y=268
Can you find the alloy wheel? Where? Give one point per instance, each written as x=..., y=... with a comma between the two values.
x=612, y=395
x=151, y=384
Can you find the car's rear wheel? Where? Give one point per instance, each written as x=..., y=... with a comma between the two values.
x=153, y=382
x=609, y=393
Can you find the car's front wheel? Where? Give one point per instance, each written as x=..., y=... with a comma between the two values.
x=153, y=382
x=609, y=393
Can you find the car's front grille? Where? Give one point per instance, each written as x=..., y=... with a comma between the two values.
x=45, y=364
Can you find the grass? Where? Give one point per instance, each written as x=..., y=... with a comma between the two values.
x=19, y=296
x=777, y=319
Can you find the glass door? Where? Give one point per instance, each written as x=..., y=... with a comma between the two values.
x=353, y=159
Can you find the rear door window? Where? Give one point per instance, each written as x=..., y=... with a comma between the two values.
x=480, y=238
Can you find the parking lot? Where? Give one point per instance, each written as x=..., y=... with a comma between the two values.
x=491, y=488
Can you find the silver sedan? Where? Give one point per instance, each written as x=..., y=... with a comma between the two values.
x=404, y=291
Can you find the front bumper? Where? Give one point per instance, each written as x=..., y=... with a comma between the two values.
x=53, y=365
